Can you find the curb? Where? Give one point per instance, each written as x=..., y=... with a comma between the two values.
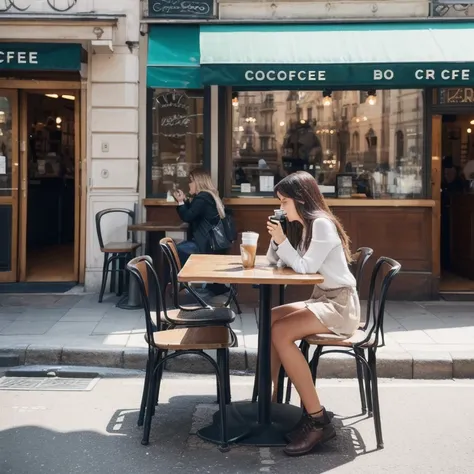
x=398, y=365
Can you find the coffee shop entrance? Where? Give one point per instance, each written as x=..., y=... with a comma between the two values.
x=40, y=150
x=453, y=129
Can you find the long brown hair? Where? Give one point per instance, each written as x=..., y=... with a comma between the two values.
x=310, y=204
x=204, y=184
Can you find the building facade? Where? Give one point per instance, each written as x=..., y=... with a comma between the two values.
x=255, y=90
x=69, y=133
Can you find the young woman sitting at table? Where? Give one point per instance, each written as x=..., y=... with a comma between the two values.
x=316, y=243
x=201, y=212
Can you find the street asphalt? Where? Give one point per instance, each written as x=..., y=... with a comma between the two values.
x=427, y=426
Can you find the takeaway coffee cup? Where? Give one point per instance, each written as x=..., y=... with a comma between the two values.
x=279, y=216
x=248, y=249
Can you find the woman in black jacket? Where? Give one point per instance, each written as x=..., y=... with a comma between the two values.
x=201, y=213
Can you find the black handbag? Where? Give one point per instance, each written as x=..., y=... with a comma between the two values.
x=220, y=235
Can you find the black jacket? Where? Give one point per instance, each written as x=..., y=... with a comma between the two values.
x=201, y=214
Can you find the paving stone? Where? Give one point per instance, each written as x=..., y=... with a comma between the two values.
x=93, y=357
x=18, y=350
x=463, y=364
x=436, y=365
x=43, y=355
x=84, y=314
x=26, y=328
x=72, y=328
x=42, y=314
x=394, y=365
x=135, y=358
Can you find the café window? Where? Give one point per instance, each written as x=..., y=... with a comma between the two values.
x=357, y=144
x=176, y=139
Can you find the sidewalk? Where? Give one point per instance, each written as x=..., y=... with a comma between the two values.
x=423, y=340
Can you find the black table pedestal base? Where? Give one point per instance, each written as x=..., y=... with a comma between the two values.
x=244, y=430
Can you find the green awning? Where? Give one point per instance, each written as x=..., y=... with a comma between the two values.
x=350, y=55
x=173, y=57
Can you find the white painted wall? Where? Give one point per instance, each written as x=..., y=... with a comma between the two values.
x=112, y=79
x=320, y=10
x=113, y=104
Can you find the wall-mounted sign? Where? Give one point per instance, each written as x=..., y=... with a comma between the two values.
x=40, y=56
x=181, y=8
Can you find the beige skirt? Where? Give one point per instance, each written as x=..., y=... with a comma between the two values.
x=338, y=309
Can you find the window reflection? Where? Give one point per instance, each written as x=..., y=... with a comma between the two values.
x=375, y=137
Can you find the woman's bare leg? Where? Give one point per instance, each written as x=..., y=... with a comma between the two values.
x=279, y=313
x=285, y=332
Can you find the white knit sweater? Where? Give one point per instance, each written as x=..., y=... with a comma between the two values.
x=325, y=255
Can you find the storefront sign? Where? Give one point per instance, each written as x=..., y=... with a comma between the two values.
x=458, y=95
x=181, y=8
x=40, y=56
x=175, y=119
x=393, y=75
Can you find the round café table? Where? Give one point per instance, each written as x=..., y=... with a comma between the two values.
x=262, y=423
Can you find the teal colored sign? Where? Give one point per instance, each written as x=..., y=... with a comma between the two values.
x=340, y=75
x=40, y=56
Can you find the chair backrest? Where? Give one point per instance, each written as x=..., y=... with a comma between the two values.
x=171, y=245
x=383, y=274
x=359, y=260
x=141, y=268
x=101, y=214
x=170, y=251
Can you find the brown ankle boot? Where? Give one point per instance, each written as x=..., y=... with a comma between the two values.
x=293, y=434
x=314, y=430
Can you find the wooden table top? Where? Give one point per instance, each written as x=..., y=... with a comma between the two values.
x=158, y=227
x=229, y=269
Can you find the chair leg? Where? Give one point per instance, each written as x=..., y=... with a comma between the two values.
x=148, y=373
x=304, y=348
x=315, y=362
x=159, y=378
x=150, y=405
x=227, y=377
x=375, y=399
x=113, y=274
x=255, y=385
x=236, y=302
x=223, y=395
x=368, y=393
x=105, y=270
x=360, y=378
x=281, y=385
x=121, y=271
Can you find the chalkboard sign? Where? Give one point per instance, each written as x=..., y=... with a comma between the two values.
x=181, y=8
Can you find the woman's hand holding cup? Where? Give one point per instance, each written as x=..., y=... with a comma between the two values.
x=275, y=230
x=179, y=195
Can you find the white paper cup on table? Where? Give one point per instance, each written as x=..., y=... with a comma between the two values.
x=248, y=249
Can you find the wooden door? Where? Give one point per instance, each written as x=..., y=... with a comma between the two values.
x=436, y=152
x=9, y=184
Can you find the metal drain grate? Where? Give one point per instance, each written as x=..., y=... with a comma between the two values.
x=48, y=383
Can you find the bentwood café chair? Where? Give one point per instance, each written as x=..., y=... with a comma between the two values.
x=168, y=247
x=116, y=254
x=183, y=340
x=364, y=340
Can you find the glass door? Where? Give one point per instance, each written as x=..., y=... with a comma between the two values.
x=9, y=192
